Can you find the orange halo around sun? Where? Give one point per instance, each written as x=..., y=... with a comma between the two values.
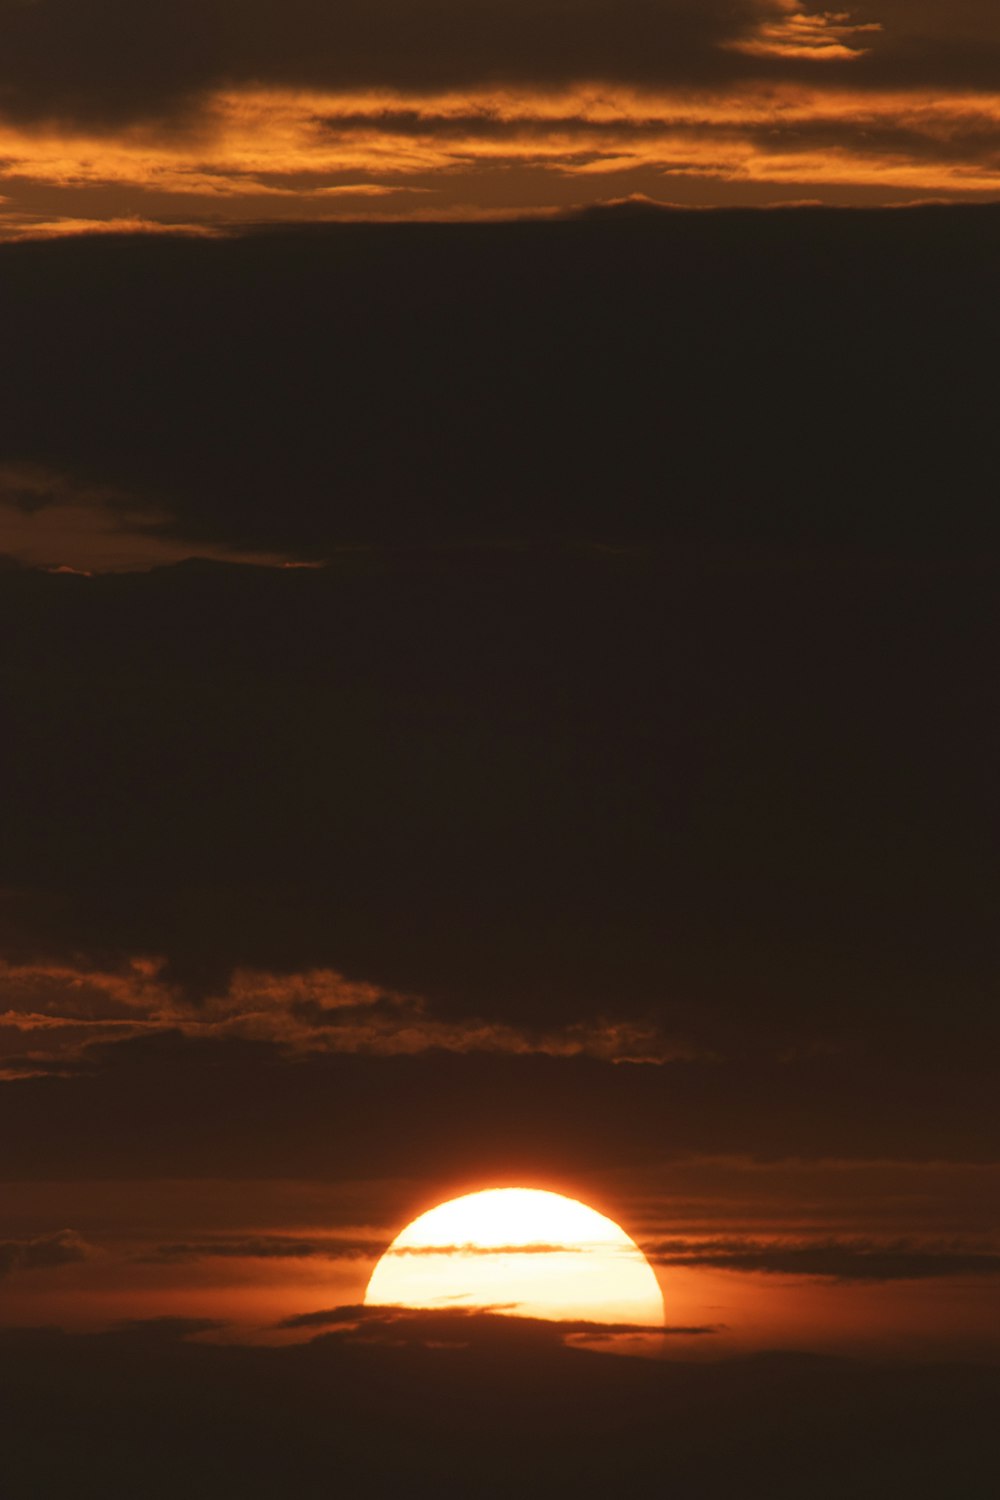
x=522, y=1252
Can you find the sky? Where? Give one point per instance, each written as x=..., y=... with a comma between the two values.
x=211, y=113
x=498, y=679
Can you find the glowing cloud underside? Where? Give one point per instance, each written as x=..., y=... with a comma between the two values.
x=522, y=1252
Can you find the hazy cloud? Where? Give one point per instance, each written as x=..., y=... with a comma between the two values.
x=317, y=1011
x=44, y=1252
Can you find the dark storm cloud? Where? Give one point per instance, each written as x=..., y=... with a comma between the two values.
x=44, y=1252
x=835, y=1260
x=105, y=63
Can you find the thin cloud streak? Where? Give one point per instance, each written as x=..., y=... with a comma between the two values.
x=76, y=1013
x=853, y=1260
x=419, y=1324
x=227, y=114
x=272, y=155
x=44, y=1252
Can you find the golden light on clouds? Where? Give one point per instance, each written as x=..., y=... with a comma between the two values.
x=519, y=1251
x=826, y=36
x=281, y=154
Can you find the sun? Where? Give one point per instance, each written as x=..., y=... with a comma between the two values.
x=522, y=1252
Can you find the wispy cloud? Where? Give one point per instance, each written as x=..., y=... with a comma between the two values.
x=479, y=1325
x=795, y=31
x=844, y=1260
x=44, y=1252
x=50, y=521
x=72, y=1012
x=715, y=100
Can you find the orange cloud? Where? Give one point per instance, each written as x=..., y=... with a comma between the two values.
x=71, y=1009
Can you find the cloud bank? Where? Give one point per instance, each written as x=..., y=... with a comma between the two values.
x=60, y=1017
x=216, y=113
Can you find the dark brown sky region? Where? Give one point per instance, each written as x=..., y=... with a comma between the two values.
x=498, y=672
x=210, y=113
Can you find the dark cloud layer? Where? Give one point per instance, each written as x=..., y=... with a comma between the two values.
x=809, y=379
x=394, y=1326
x=46, y=1251
x=262, y=1247
x=838, y=1260
x=461, y=1120
x=204, y=115
x=749, y=801
x=502, y=1417
x=644, y=700
x=107, y=62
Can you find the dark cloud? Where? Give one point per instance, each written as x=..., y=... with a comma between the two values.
x=969, y=135
x=163, y=1417
x=745, y=757
x=205, y=115
x=164, y=1330
x=44, y=1252
x=648, y=683
x=249, y=1113
x=837, y=1260
x=476, y=1327
x=467, y=1249
x=931, y=44
x=542, y=382
x=265, y=1247
x=106, y=62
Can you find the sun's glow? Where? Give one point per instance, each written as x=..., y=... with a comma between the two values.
x=523, y=1252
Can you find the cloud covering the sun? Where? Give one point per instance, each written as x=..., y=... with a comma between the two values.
x=841, y=1259
x=213, y=114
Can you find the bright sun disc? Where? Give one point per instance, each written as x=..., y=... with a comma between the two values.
x=523, y=1252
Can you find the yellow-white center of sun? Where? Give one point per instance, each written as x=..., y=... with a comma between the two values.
x=522, y=1252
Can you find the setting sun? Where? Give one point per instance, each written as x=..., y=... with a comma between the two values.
x=523, y=1252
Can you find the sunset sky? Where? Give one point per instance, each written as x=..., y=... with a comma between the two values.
x=209, y=113
x=498, y=623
